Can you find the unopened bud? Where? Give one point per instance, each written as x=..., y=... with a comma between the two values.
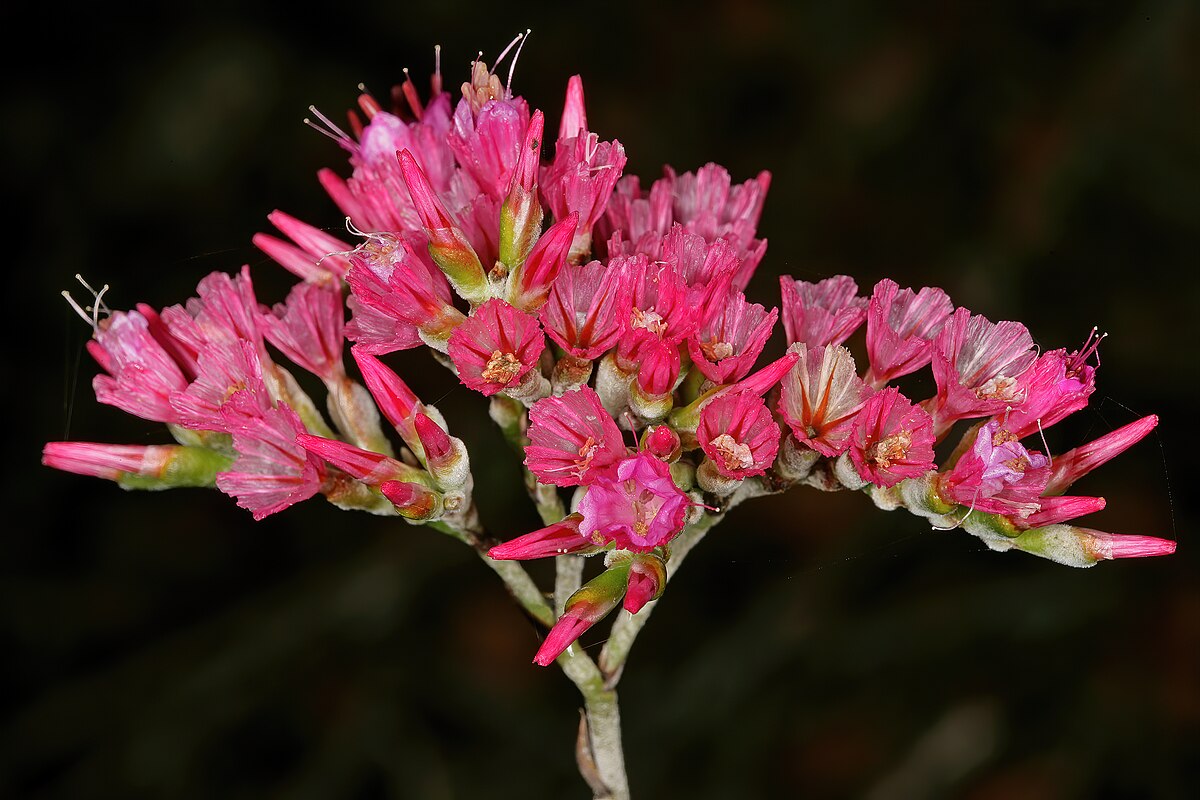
x=662, y=442
x=590, y=604
x=413, y=501
x=647, y=579
x=445, y=455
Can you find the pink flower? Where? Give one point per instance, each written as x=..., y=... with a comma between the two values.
x=976, y=364
x=820, y=397
x=997, y=475
x=1053, y=510
x=226, y=368
x=572, y=439
x=312, y=254
x=486, y=135
x=901, y=325
x=413, y=501
x=308, y=329
x=1074, y=464
x=368, y=467
x=738, y=435
x=397, y=402
x=558, y=539
x=725, y=348
x=1057, y=385
x=821, y=313
x=142, y=373
x=638, y=509
x=272, y=471
x=590, y=604
x=400, y=286
x=647, y=579
x=892, y=439
x=704, y=202
x=1106, y=546
x=582, y=313
x=496, y=347
x=530, y=282
x=109, y=461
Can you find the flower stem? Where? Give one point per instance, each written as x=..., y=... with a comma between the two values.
x=600, y=753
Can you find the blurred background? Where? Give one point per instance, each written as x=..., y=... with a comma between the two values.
x=1040, y=162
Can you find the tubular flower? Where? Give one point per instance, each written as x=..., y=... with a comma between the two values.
x=370, y=468
x=638, y=508
x=901, y=326
x=561, y=538
x=822, y=313
x=738, y=435
x=142, y=374
x=496, y=347
x=572, y=439
x=820, y=397
x=976, y=364
x=138, y=466
x=308, y=329
x=892, y=439
x=1074, y=464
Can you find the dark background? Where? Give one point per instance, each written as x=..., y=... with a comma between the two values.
x=1040, y=162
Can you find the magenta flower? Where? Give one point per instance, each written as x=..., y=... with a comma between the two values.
x=739, y=435
x=976, y=364
x=488, y=128
x=725, y=348
x=1106, y=546
x=638, y=508
x=572, y=439
x=892, y=439
x=368, y=467
x=584, y=171
x=820, y=397
x=997, y=475
x=1054, y=510
x=822, y=313
x=558, y=539
x=901, y=326
x=409, y=297
x=582, y=313
x=397, y=402
x=1057, y=385
x=496, y=347
x=530, y=283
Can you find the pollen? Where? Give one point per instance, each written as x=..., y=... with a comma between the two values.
x=1000, y=387
x=501, y=368
x=890, y=449
x=716, y=350
x=734, y=454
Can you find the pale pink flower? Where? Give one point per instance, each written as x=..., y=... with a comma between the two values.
x=495, y=347
x=997, y=475
x=822, y=313
x=901, y=326
x=892, y=439
x=977, y=364
x=572, y=439
x=638, y=508
x=1057, y=385
x=820, y=396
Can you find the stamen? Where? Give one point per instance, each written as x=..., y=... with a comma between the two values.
x=410, y=95
x=89, y=314
x=505, y=51
x=341, y=134
x=513, y=66
x=435, y=82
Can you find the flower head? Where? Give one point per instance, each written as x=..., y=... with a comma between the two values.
x=822, y=313
x=495, y=348
x=572, y=439
x=820, y=397
x=739, y=435
x=892, y=439
x=901, y=326
x=998, y=474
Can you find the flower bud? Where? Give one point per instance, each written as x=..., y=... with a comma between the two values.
x=590, y=604
x=662, y=442
x=445, y=455
x=647, y=578
x=413, y=501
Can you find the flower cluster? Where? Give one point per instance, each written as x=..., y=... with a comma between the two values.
x=608, y=325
